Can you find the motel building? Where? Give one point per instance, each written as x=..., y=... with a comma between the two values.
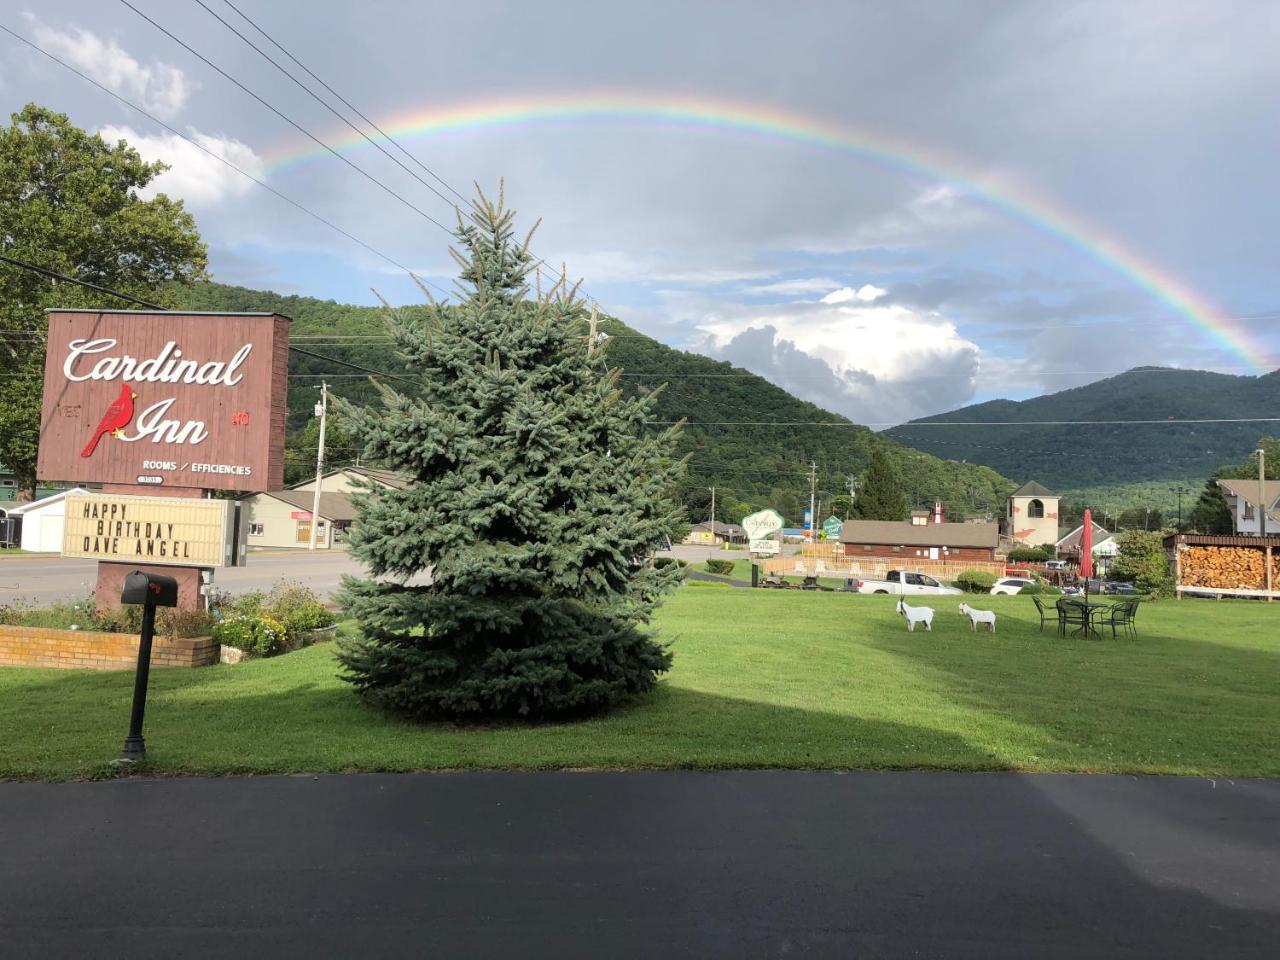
x=282, y=518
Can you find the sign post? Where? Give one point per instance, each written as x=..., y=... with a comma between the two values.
x=761, y=528
x=151, y=591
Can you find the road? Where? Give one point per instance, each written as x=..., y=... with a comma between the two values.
x=656, y=864
x=43, y=579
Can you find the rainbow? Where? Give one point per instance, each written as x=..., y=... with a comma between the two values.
x=1017, y=202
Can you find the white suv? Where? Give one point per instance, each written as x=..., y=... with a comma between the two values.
x=1008, y=586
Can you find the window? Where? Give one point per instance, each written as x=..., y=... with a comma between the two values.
x=927, y=581
x=1035, y=509
x=255, y=530
x=8, y=483
x=1248, y=511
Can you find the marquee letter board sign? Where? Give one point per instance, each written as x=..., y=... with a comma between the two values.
x=164, y=530
x=165, y=399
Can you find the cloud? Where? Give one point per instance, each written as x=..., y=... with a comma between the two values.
x=794, y=287
x=878, y=364
x=866, y=293
x=161, y=88
x=194, y=176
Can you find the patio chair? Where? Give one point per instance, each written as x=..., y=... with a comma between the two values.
x=1123, y=615
x=1071, y=612
x=1040, y=610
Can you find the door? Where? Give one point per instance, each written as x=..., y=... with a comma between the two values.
x=933, y=553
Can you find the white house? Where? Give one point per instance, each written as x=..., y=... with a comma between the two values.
x=1242, y=499
x=43, y=521
x=282, y=518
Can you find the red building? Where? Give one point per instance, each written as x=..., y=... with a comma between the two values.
x=900, y=539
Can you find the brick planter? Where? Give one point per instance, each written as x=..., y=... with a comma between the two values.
x=87, y=650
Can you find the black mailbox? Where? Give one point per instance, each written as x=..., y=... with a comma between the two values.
x=150, y=588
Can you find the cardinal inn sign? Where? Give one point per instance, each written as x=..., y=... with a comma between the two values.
x=161, y=399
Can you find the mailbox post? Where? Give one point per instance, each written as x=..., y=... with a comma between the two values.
x=151, y=590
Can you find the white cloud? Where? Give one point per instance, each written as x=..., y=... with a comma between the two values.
x=194, y=176
x=866, y=293
x=878, y=364
x=160, y=87
x=794, y=287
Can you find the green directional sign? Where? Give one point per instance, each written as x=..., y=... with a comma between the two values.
x=831, y=527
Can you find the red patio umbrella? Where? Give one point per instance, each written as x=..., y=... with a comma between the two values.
x=1086, y=548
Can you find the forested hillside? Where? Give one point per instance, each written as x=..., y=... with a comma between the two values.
x=1067, y=457
x=751, y=440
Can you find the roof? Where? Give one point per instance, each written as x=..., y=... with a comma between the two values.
x=1033, y=489
x=1072, y=540
x=177, y=312
x=333, y=506
x=1247, y=490
x=389, y=478
x=907, y=534
x=727, y=529
x=1223, y=540
x=22, y=508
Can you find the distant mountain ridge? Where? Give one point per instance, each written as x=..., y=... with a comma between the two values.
x=729, y=440
x=1068, y=456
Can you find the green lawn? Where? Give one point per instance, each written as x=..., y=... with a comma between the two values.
x=761, y=679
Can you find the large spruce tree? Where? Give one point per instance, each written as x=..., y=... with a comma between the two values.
x=880, y=497
x=536, y=492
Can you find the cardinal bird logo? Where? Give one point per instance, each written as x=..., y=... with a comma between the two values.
x=114, y=420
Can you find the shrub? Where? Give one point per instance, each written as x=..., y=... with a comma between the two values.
x=260, y=635
x=663, y=562
x=184, y=623
x=248, y=604
x=1039, y=589
x=975, y=581
x=1143, y=562
x=297, y=607
x=1030, y=554
x=724, y=567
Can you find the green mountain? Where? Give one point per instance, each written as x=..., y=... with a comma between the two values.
x=751, y=440
x=1073, y=457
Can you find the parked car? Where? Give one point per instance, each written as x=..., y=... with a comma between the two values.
x=1009, y=586
x=1126, y=589
x=904, y=582
x=1055, y=564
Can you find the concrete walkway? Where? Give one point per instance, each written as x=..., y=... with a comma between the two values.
x=740, y=864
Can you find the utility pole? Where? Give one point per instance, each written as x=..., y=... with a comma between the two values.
x=322, y=411
x=713, y=514
x=1179, y=490
x=1262, y=492
x=591, y=342
x=813, y=491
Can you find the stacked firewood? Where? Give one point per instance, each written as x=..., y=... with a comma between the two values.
x=1228, y=568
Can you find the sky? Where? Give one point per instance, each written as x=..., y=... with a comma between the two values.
x=890, y=210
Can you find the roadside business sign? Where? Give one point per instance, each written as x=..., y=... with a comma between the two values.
x=761, y=524
x=768, y=546
x=832, y=527
x=165, y=399
x=171, y=531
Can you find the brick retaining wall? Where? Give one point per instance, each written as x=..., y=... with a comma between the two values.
x=86, y=650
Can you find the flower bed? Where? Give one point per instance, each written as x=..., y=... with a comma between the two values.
x=93, y=650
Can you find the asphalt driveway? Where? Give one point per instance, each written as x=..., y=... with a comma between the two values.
x=737, y=864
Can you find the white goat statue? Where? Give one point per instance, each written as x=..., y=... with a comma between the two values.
x=979, y=616
x=916, y=615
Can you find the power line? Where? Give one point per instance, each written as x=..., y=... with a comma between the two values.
x=289, y=120
x=963, y=423
x=311, y=93
x=551, y=278
x=347, y=103
x=55, y=275
x=216, y=156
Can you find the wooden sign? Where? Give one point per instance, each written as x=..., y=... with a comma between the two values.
x=172, y=531
x=165, y=399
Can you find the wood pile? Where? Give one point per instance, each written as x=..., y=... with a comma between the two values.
x=1228, y=568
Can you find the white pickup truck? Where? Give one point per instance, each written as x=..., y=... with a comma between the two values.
x=902, y=582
